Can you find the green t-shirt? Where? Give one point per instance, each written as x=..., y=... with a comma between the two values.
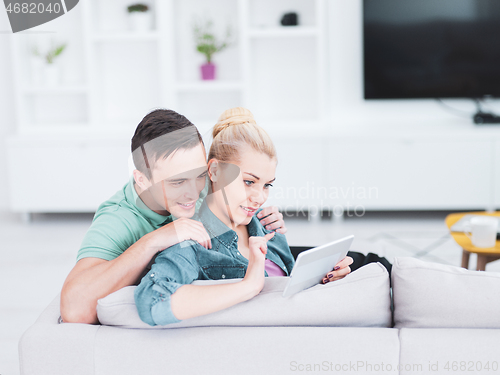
x=120, y=222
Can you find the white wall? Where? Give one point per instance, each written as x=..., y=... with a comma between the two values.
x=7, y=113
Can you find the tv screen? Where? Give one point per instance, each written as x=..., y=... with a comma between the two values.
x=431, y=48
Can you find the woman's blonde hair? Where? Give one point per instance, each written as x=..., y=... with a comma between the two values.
x=235, y=128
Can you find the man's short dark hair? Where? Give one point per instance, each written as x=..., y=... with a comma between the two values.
x=159, y=134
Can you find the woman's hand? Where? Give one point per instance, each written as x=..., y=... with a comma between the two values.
x=254, y=276
x=340, y=271
x=272, y=219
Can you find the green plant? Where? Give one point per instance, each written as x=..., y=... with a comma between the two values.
x=206, y=41
x=137, y=8
x=51, y=54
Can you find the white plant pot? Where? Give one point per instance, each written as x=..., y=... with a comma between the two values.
x=37, y=71
x=52, y=75
x=141, y=21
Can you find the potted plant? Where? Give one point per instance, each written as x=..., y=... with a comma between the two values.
x=51, y=70
x=140, y=17
x=208, y=44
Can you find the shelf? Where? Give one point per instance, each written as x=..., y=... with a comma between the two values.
x=209, y=86
x=285, y=31
x=38, y=128
x=125, y=36
x=81, y=132
x=62, y=89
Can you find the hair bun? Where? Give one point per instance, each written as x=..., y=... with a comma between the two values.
x=233, y=116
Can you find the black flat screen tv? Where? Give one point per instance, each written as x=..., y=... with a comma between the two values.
x=431, y=49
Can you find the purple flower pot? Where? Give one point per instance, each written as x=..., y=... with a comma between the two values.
x=208, y=71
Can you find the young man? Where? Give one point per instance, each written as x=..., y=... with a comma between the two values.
x=151, y=213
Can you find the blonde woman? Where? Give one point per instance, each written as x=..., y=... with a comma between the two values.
x=241, y=167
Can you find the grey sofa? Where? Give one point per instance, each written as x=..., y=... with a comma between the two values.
x=443, y=320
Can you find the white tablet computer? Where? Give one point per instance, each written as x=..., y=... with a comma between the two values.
x=312, y=265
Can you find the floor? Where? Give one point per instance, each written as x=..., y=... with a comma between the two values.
x=35, y=258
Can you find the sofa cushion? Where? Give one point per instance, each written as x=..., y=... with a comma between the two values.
x=431, y=295
x=247, y=351
x=361, y=299
x=449, y=351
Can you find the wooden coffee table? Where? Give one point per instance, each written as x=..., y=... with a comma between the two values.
x=484, y=255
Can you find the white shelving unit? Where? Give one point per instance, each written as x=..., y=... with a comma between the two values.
x=112, y=77
x=72, y=150
x=127, y=73
x=276, y=32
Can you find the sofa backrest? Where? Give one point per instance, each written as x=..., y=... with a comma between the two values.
x=361, y=299
x=432, y=295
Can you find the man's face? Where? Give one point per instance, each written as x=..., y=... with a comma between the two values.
x=178, y=180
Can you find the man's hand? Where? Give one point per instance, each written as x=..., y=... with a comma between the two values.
x=272, y=219
x=94, y=278
x=180, y=230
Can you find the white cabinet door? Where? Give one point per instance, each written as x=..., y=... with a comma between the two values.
x=399, y=174
x=312, y=174
x=65, y=176
x=299, y=175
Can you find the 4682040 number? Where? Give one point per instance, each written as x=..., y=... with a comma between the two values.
x=34, y=8
x=474, y=366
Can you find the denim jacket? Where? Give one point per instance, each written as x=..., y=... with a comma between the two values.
x=188, y=261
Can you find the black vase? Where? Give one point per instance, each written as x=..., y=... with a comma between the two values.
x=290, y=19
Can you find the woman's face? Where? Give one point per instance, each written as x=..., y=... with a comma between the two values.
x=246, y=193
